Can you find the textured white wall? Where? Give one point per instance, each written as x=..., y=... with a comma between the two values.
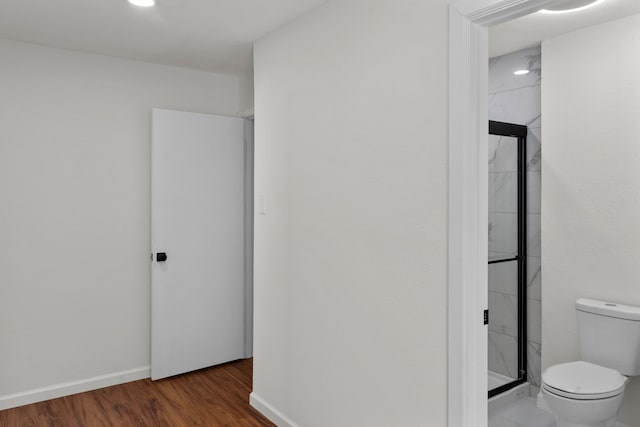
x=351, y=258
x=590, y=181
x=75, y=208
x=246, y=93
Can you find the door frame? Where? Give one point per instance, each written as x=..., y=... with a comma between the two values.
x=468, y=203
x=249, y=168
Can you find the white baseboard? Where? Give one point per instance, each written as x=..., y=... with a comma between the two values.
x=65, y=389
x=275, y=416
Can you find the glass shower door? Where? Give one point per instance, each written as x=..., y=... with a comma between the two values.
x=507, y=255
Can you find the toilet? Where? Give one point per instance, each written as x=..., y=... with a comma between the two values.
x=589, y=392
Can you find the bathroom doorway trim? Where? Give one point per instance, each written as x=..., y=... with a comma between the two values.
x=468, y=200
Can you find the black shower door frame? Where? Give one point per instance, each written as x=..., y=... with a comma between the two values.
x=519, y=132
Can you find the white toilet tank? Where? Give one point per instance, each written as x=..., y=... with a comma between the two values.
x=609, y=335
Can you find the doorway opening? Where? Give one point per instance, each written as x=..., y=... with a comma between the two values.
x=468, y=183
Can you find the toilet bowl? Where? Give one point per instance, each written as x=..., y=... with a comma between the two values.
x=581, y=394
x=589, y=392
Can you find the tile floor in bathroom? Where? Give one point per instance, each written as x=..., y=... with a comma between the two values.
x=522, y=413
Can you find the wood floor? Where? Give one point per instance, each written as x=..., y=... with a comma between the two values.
x=217, y=396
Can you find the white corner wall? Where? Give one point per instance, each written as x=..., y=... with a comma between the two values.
x=246, y=95
x=590, y=181
x=75, y=212
x=351, y=256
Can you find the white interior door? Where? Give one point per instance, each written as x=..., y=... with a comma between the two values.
x=197, y=220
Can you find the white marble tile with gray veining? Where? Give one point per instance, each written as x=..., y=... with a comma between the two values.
x=518, y=106
x=494, y=255
x=503, y=233
x=534, y=354
x=503, y=313
x=536, y=123
x=498, y=421
x=534, y=153
x=533, y=192
x=503, y=354
x=534, y=278
x=534, y=321
x=502, y=68
x=533, y=234
x=522, y=413
x=503, y=192
x=503, y=154
x=503, y=277
x=514, y=99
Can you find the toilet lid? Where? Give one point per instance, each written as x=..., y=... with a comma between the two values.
x=583, y=380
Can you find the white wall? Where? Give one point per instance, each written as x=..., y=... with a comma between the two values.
x=351, y=258
x=590, y=181
x=74, y=210
x=246, y=94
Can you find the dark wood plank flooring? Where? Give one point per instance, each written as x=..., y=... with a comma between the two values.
x=217, y=396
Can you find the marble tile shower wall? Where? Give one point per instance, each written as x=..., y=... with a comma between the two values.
x=514, y=99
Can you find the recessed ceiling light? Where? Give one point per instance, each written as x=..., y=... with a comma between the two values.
x=143, y=3
x=571, y=6
x=521, y=72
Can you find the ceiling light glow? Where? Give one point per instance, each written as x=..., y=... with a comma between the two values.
x=521, y=72
x=143, y=3
x=575, y=9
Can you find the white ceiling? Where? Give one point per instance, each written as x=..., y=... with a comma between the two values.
x=532, y=29
x=209, y=35
x=217, y=35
